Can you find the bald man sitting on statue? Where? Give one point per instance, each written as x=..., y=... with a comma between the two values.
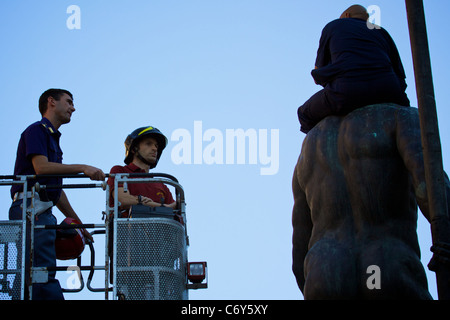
x=357, y=64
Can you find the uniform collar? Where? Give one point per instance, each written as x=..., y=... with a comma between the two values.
x=49, y=126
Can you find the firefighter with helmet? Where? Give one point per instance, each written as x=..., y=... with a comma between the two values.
x=143, y=149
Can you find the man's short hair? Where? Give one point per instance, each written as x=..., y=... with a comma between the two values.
x=55, y=94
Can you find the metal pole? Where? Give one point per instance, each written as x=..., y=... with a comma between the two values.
x=434, y=173
x=25, y=223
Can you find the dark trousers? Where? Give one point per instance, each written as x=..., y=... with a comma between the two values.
x=44, y=253
x=345, y=95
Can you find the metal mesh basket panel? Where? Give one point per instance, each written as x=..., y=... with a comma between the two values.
x=151, y=259
x=10, y=260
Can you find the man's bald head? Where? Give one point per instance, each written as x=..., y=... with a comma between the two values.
x=355, y=11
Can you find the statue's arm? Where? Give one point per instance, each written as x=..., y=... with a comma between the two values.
x=410, y=148
x=302, y=227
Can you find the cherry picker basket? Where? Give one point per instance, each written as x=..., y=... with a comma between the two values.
x=145, y=253
x=150, y=248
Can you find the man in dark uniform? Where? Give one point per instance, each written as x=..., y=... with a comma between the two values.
x=39, y=153
x=357, y=64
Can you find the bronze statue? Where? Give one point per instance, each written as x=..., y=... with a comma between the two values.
x=356, y=187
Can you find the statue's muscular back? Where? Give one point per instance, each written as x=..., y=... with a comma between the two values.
x=359, y=176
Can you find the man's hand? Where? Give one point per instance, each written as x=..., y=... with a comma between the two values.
x=94, y=173
x=147, y=201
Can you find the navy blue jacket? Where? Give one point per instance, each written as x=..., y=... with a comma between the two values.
x=349, y=49
x=358, y=65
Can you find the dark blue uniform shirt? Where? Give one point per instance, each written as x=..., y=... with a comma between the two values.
x=40, y=138
x=349, y=49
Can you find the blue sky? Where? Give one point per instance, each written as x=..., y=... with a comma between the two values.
x=171, y=64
